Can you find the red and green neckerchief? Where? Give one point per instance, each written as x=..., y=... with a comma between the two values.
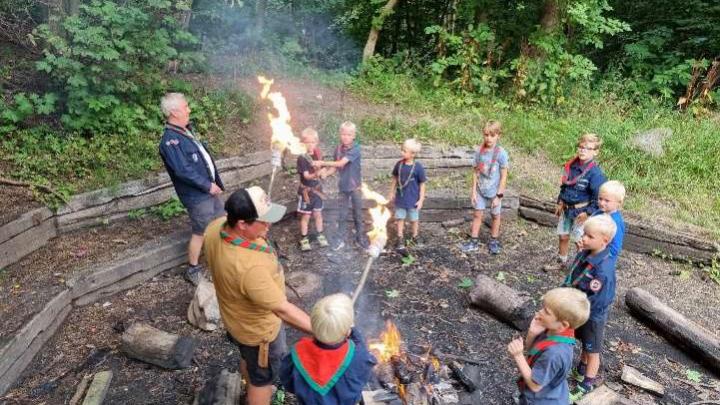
x=401, y=185
x=566, y=336
x=321, y=368
x=573, y=280
x=566, y=180
x=238, y=241
x=480, y=167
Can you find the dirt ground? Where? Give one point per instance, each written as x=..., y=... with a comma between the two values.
x=15, y=202
x=423, y=298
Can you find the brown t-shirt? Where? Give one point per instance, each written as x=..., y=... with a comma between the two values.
x=249, y=285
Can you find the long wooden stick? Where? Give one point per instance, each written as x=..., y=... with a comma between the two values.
x=15, y=183
x=272, y=180
x=363, y=278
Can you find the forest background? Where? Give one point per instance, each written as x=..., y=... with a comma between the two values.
x=80, y=81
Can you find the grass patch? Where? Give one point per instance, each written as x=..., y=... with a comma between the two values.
x=684, y=179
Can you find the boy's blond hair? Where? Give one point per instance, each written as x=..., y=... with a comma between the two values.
x=568, y=305
x=493, y=126
x=309, y=134
x=613, y=188
x=602, y=223
x=590, y=138
x=349, y=125
x=332, y=317
x=412, y=145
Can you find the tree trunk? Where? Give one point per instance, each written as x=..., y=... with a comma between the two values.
x=146, y=343
x=502, y=301
x=550, y=19
x=688, y=335
x=375, y=28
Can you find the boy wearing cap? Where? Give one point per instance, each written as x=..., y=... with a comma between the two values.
x=250, y=287
x=332, y=367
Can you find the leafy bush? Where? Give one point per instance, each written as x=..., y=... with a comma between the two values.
x=23, y=106
x=107, y=64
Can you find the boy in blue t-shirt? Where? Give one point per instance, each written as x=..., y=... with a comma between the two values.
x=549, y=343
x=333, y=366
x=579, y=187
x=488, y=188
x=408, y=191
x=610, y=200
x=593, y=272
x=348, y=165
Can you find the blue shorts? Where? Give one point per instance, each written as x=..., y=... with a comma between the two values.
x=482, y=203
x=412, y=214
x=567, y=226
x=307, y=208
x=591, y=334
x=203, y=212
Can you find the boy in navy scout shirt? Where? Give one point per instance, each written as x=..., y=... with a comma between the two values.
x=579, y=189
x=488, y=188
x=310, y=194
x=549, y=343
x=348, y=165
x=593, y=272
x=408, y=191
x=332, y=367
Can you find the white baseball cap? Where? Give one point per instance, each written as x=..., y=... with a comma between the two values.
x=267, y=211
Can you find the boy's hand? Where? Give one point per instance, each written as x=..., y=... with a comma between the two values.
x=581, y=218
x=317, y=163
x=516, y=347
x=495, y=202
x=473, y=198
x=579, y=245
x=535, y=327
x=559, y=208
x=419, y=205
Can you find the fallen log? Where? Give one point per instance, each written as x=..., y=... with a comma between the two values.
x=98, y=388
x=502, y=302
x=688, y=335
x=633, y=376
x=151, y=345
x=80, y=391
x=225, y=389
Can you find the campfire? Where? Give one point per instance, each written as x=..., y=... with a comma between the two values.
x=402, y=377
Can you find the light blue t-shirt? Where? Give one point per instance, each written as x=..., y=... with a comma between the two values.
x=489, y=176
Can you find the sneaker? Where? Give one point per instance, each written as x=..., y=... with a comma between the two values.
x=411, y=241
x=321, y=240
x=470, y=246
x=305, y=244
x=193, y=274
x=576, y=375
x=579, y=392
x=494, y=246
x=339, y=244
x=400, y=247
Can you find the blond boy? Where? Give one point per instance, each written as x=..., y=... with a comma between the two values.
x=407, y=191
x=549, y=343
x=310, y=194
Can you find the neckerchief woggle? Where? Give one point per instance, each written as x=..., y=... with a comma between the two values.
x=566, y=336
x=321, y=368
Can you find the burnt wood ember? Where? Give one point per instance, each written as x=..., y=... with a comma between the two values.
x=502, y=301
x=415, y=394
x=461, y=376
x=385, y=376
x=401, y=370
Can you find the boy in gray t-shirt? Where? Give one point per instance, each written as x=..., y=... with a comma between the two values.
x=488, y=188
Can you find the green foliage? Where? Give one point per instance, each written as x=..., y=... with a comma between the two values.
x=107, y=65
x=466, y=282
x=693, y=375
x=408, y=260
x=23, y=106
x=137, y=214
x=169, y=209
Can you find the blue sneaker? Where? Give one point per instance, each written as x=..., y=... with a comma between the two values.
x=494, y=246
x=470, y=246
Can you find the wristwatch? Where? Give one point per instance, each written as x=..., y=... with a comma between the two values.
x=499, y=195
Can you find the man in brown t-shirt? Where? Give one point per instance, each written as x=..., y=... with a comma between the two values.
x=250, y=287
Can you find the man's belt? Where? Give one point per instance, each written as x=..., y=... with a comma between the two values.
x=306, y=190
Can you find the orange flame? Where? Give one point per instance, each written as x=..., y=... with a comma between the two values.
x=389, y=343
x=380, y=215
x=282, y=134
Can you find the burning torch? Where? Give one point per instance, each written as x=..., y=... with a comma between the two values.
x=282, y=135
x=380, y=214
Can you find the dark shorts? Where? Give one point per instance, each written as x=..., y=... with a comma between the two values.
x=261, y=377
x=315, y=204
x=202, y=212
x=591, y=334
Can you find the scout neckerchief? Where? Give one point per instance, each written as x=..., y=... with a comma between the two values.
x=566, y=336
x=402, y=185
x=243, y=243
x=573, y=280
x=566, y=180
x=480, y=167
x=321, y=368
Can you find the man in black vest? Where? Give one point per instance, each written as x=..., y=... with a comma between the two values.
x=193, y=173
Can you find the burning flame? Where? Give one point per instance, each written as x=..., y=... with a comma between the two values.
x=388, y=344
x=380, y=215
x=282, y=135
